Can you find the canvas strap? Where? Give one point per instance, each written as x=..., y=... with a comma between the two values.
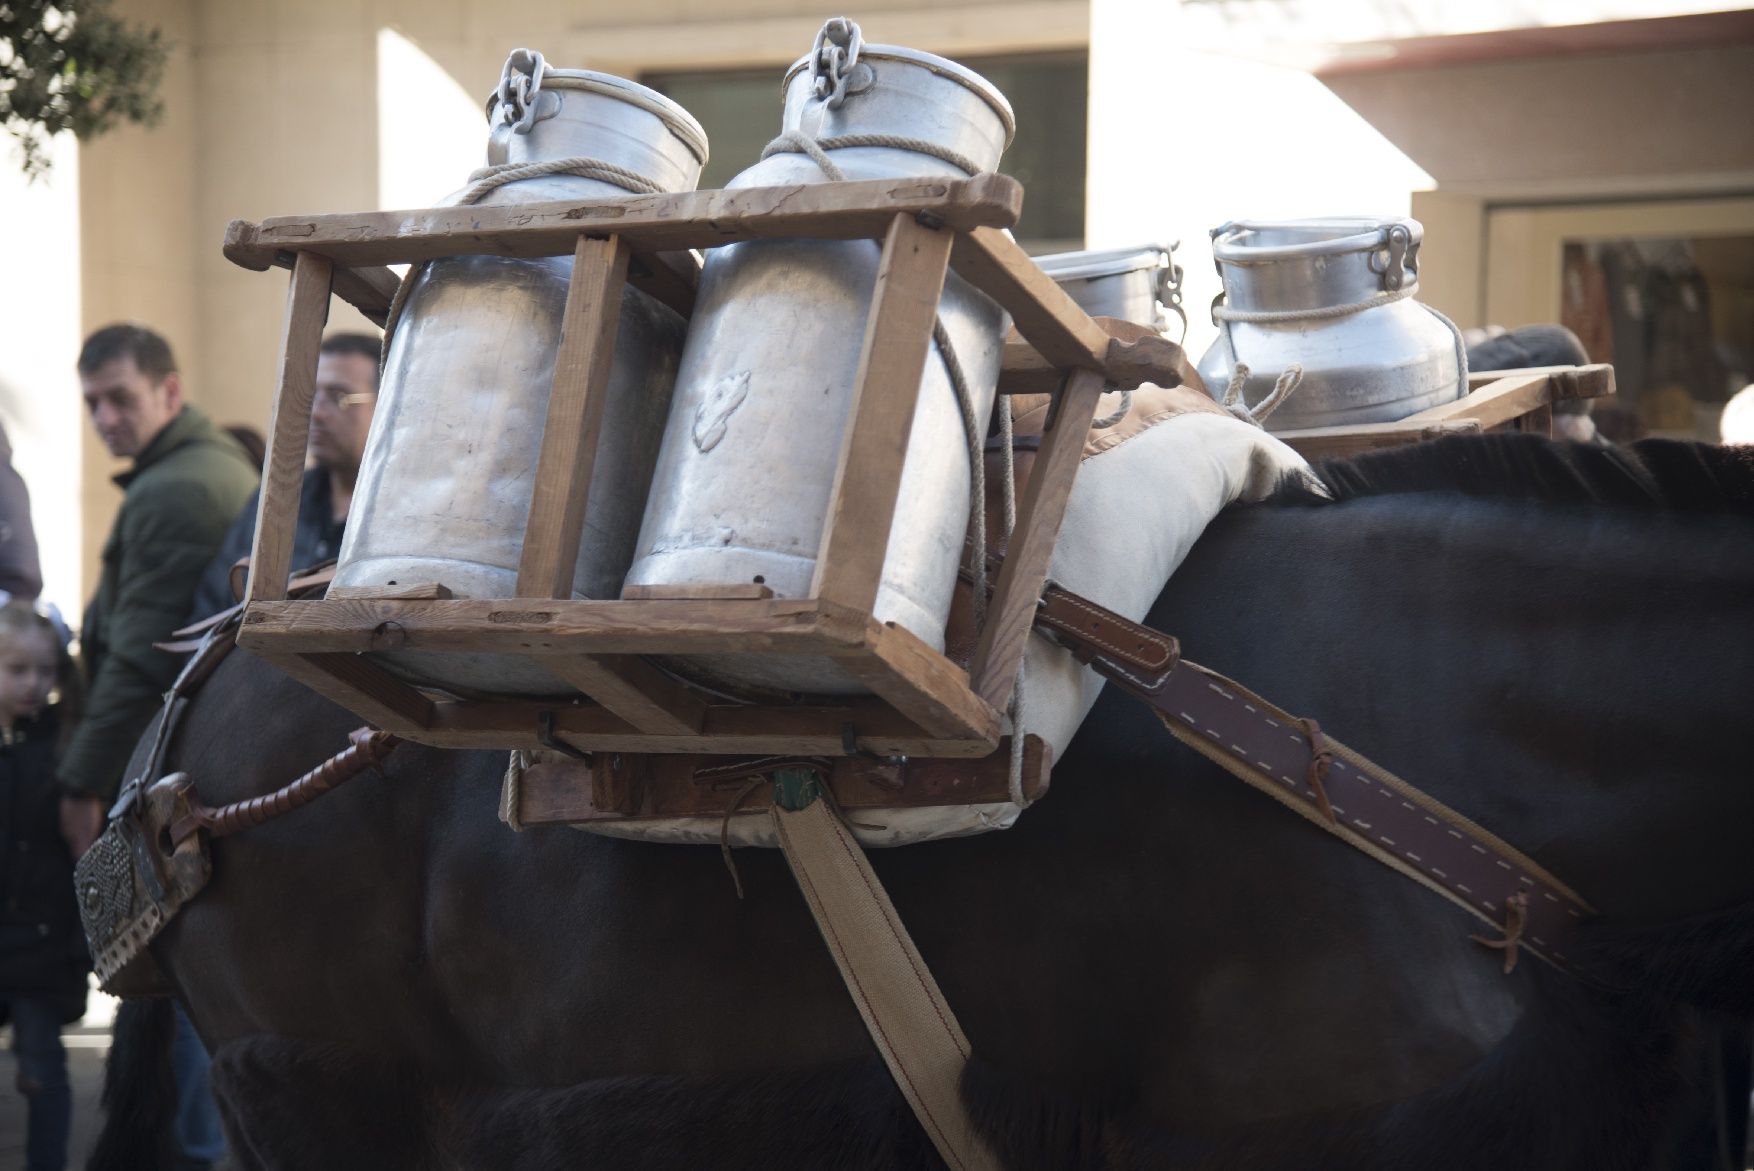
x=903, y=1009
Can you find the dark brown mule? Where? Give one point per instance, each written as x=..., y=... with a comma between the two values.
x=1158, y=967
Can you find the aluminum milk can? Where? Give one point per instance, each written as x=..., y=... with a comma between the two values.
x=1334, y=296
x=445, y=485
x=1140, y=284
x=763, y=397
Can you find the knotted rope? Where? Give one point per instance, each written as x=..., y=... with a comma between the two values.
x=1287, y=382
x=489, y=179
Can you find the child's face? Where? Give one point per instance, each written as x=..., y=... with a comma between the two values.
x=27, y=672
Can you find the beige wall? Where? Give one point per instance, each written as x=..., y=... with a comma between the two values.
x=1583, y=129
x=271, y=109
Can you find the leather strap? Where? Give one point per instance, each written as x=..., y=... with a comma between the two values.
x=903, y=1008
x=1350, y=796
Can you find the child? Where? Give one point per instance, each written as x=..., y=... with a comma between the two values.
x=43, y=960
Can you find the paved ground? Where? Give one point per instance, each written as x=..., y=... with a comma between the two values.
x=88, y=1043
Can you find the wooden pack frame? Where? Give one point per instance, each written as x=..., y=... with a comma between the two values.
x=921, y=703
x=1518, y=400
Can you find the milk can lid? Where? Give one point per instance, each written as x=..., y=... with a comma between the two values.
x=677, y=120
x=942, y=66
x=1109, y=262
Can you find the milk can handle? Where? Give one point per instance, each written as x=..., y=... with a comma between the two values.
x=519, y=82
x=832, y=59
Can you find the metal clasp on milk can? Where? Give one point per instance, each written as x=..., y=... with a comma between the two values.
x=445, y=485
x=763, y=395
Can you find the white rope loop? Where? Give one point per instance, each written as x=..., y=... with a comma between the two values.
x=1288, y=381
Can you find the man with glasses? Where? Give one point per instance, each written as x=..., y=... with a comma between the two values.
x=341, y=418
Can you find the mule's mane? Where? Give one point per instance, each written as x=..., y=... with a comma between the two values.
x=1653, y=473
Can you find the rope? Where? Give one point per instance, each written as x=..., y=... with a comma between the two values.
x=1288, y=381
x=1120, y=412
x=1223, y=315
x=975, y=440
x=797, y=142
x=489, y=179
x=492, y=178
x=1324, y=313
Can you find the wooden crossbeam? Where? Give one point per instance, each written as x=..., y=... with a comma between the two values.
x=1136, y=355
x=867, y=479
x=649, y=223
x=902, y=670
x=755, y=729
x=363, y=687
x=1343, y=442
x=1045, y=316
x=634, y=690
x=539, y=627
x=289, y=428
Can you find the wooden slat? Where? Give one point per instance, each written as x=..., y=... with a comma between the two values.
x=999, y=650
x=1537, y=422
x=917, y=681
x=368, y=289
x=618, y=785
x=426, y=591
x=1592, y=381
x=867, y=480
x=289, y=428
x=753, y=730
x=362, y=687
x=539, y=627
x=742, y=589
x=1044, y=315
x=575, y=417
x=1317, y=443
x=671, y=277
x=649, y=223
x=634, y=690
x=1136, y=355
x=1497, y=402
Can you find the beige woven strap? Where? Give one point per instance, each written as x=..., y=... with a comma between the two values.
x=904, y=1011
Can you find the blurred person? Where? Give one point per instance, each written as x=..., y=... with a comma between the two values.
x=21, y=575
x=43, y=960
x=341, y=418
x=252, y=440
x=1736, y=425
x=187, y=481
x=1497, y=348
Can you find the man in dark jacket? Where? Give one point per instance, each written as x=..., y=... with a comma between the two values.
x=341, y=417
x=188, y=480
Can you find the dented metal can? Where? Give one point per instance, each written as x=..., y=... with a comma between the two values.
x=1333, y=297
x=763, y=396
x=446, y=481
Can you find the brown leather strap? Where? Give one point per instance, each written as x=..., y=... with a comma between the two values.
x=367, y=749
x=1291, y=760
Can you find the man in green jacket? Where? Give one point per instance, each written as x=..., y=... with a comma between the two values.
x=188, y=480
